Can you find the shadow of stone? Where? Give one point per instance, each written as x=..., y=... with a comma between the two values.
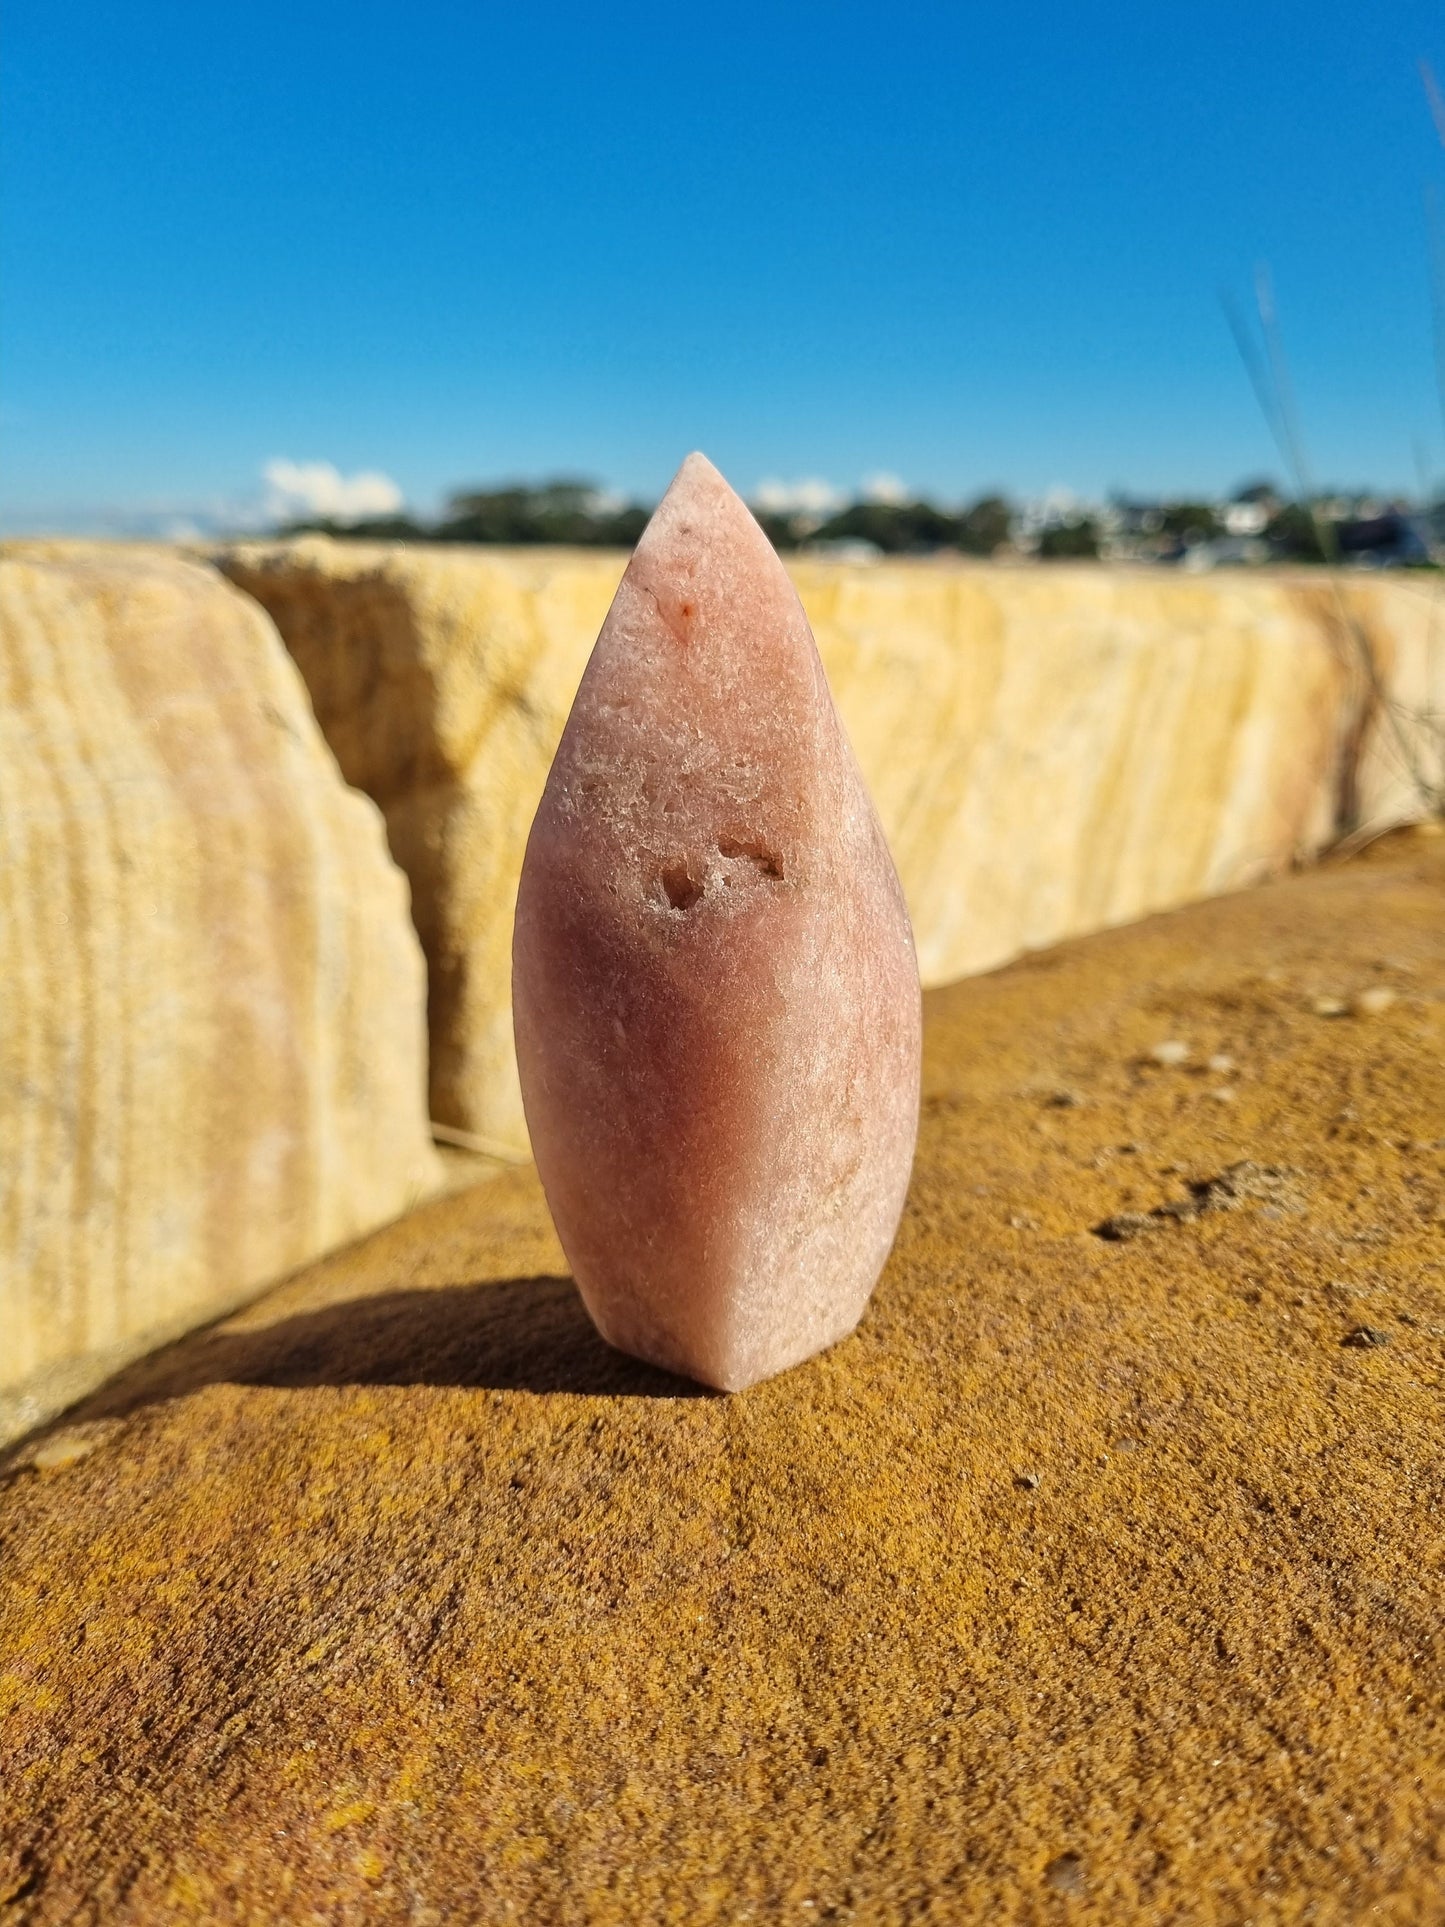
x=521, y=1335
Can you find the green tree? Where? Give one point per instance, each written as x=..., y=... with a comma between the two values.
x=1292, y=534
x=1070, y=542
x=781, y=530
x=1190, y=521
x=985, y=526
x=897, y=528
x=566, y=512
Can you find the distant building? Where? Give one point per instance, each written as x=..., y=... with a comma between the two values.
x=1245, y=518
x=1392, y=540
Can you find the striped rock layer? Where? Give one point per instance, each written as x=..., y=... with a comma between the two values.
x=1051, y=750
x=211, y=998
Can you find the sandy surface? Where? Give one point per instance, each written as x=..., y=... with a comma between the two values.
x=1097, y=1578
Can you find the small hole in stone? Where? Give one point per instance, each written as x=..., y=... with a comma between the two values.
x=769, y=863
x=680, y=886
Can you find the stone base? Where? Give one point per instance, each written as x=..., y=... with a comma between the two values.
x=1090, y=1567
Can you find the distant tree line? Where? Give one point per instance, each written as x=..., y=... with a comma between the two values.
x=572, y=513
x=899, y=528
x=576, y=515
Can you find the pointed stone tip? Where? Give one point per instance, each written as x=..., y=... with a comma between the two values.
x=699, y=488
x=697, y=474
x=697, y=464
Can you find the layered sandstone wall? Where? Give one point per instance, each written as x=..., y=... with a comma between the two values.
x=212, y=1043
x=1052, y=751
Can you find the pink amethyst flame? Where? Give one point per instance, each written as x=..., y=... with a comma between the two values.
x=715, y=990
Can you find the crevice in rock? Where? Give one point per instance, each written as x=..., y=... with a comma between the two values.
x=768, y=862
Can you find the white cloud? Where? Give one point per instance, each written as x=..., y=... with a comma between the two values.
x=295, y=490
x=809, y=497
x=886, y=488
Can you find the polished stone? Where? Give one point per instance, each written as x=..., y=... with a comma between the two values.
x=715, y=990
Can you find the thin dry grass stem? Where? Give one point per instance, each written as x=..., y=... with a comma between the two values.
x=1436, y=99
x=1415, y=740
x=487, y=1147
x=1435, y=237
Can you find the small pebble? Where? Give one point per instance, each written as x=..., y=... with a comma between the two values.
x=1027, y=1481
x=1065, y=1874
x=1365, y=1338
x=1225, y=1094
x=1064, y=1100
x=1125, y=1225
x=1170, y=1053
x=1328, y=1007
x=1371, y=1002
x=1221, y=1063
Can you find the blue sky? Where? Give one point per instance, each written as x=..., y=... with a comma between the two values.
x=450, y=243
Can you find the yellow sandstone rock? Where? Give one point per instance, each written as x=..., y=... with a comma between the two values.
x=1052, y=751
x=1091, y=1581
x=441, y=679
x=211, y=1032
